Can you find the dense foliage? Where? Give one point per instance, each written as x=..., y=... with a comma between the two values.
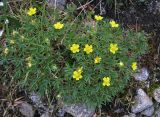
x=85, y=59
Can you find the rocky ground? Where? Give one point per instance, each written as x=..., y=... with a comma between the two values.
x=140, y=99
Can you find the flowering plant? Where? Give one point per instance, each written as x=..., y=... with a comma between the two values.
x=84, y=63
x=108, y=56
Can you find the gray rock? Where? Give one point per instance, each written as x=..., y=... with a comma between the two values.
x=36, y=99
x=57, y=4
x=157, y=113
x=79, y=110
x=46, y=114
x=40, y=105
x=130, y=115
x=154, y=7
x=148, y=112
x=156, y=94
x=60, y=113
x=142, y=102
x=26, y=109
x=142, y=74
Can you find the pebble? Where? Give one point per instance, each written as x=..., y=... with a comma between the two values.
x=141, y=75
x=26, y=109
x=46, y=114
x=156, y=95
x=142, y=102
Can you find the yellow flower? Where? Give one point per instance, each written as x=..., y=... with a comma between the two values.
x=22, y=38
x=74, y=48
x=58, y=25
x=113, y=48
x=114, y=24
x=31, y=11
x=98, y=17
x=134, y=66
x=106, y=81
x=29, y=61
x=97, y=60
x=14, y=32
x=121, y=64
x=6, y=50
x=29, y=58
x=29, y=64
x=77, y=75
x=12, y=42
x=88, y=49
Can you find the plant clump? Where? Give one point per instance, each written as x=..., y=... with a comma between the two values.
x=82, y=63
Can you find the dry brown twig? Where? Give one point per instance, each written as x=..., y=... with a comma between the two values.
x=84, y=6
x=11, y=104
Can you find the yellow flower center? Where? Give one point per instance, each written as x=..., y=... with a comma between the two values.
x=98, y=17
x=29, y=64
x=88, y=49
x=58, y=25
x=97, y=60
x=121, y=64
x=134, y=66
x=14, y=32
x=113, y=48
x=29, y=61
x=6, y=50
x=29, y=58
x=12, y=42
x=74, y=48
x=31, y=11
x=114, y=24
x=106, y=81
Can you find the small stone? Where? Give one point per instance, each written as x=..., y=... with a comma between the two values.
x=39, y=104
x=46, y=114
x=148, y=112
x=79, y=110
x=26, y=109
x=130, y=115
x=142, y=102
x=156, y=94
x=142, y=75
x=36, y=99
x=154, y=7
